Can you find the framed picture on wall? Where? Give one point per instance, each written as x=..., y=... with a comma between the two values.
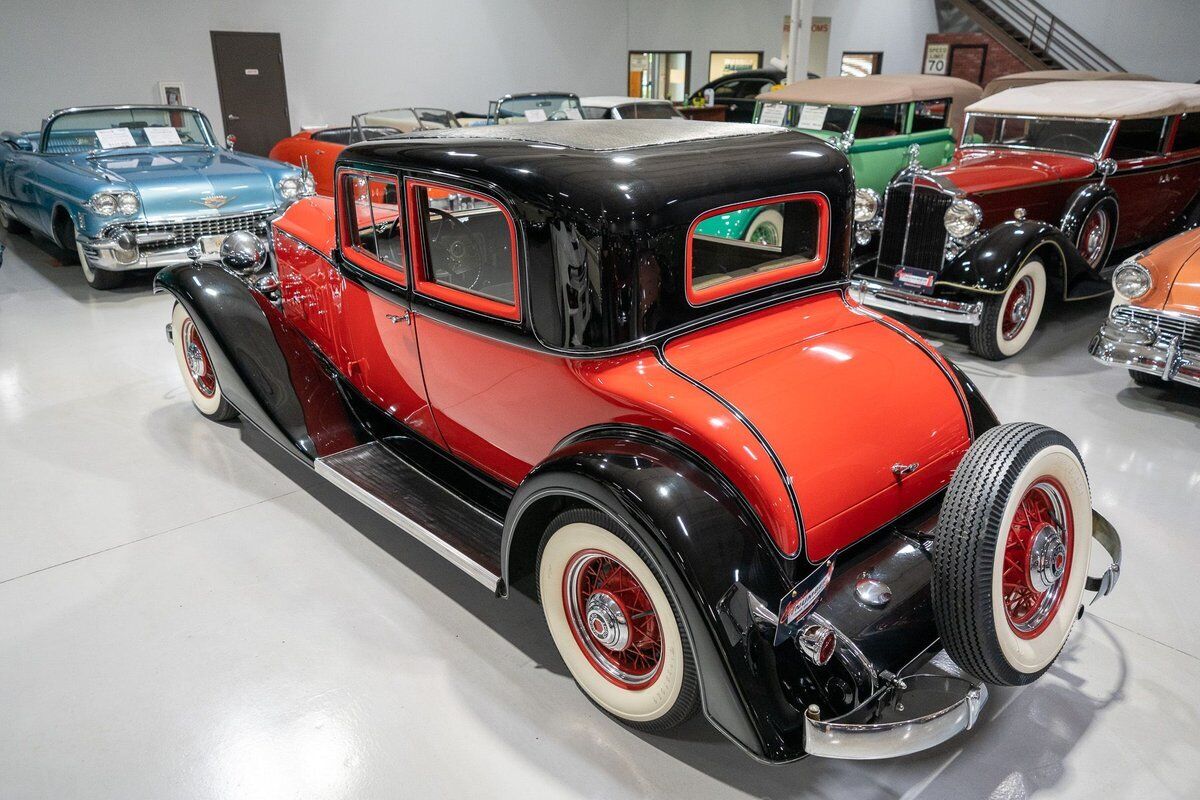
x=170, y=93
x=858, y=64
x=723, y=62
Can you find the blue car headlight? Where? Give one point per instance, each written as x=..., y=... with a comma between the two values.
x=106, y=204
x=127, y=204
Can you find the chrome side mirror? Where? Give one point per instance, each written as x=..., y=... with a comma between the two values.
x=1106, y=167
x=243, y=252
x=845, y=141
x=230, y=141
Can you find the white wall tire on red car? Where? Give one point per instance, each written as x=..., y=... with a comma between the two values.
x=613, y=624
x=1010, y=553
x=1010, y=319
x=196, y=368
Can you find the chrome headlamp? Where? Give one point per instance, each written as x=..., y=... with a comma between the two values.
x=866, y=205
x=104, y=203
x=962, y=218
x=1131, y=280
x=290, y=188
x=127, y=204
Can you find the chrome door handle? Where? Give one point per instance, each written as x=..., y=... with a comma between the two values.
x=395, y=318
x=232, y=116
x=902, y=471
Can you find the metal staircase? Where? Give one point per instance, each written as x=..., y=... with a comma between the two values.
x=1031, y=32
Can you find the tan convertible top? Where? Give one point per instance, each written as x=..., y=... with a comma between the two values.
x=1051, y=75
x=875, y=90
x=1094, y=100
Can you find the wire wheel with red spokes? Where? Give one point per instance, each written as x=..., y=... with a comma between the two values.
x=196, y=367
x=1036, y=562
x=1093, y=237
x=199, y=367
x=613, y=619
x=1016, y=308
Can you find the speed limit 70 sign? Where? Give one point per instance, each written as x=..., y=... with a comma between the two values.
x=937, y=57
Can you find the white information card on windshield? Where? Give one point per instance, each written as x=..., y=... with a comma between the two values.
x=535, y=115
x=572, y=113
x=812, y=118
x=162, y=137
x=772, y=114
x=115, y=137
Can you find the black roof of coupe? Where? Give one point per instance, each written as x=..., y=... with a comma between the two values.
x=623, y=173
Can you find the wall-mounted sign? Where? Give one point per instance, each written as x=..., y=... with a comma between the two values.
x=937, y=59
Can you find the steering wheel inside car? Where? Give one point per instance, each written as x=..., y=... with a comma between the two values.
x=462, y=252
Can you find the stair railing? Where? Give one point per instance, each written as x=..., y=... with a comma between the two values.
x=1051, y=35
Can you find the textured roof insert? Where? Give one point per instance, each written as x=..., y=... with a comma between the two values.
x=603, y=134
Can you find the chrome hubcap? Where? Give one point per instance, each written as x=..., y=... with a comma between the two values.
x=1047, y=559
x=195, y=360
x=606, y=621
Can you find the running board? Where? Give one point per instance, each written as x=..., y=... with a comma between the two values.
x=452, y=527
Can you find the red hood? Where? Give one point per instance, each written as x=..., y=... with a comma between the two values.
x=976, y=169
x=840, y=398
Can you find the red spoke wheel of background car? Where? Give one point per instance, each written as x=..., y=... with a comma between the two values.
x=1094, y=236
x=1010, y=318
x=196, y=367
x=1010, y=553
x=612, y=621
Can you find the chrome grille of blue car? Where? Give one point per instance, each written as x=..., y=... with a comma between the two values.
x=187, y=231
x=1166, y=326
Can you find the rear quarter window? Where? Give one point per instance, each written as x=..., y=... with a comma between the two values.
x=740, y=248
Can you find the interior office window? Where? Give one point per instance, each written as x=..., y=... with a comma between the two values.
x=930, y=115
x=858, y=64
x=1187, y=135
x=1138, y=138
x=885, y=120
x=660, y=75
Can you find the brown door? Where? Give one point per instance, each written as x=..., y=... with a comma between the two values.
x=967, y=61
x=254, y=106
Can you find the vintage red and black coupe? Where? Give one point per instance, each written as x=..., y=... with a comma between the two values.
x=1049, y=181
x=732, y=488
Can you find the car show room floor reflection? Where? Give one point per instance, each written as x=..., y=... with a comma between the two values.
x=185, y=611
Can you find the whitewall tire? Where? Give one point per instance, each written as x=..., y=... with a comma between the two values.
x=613, y=624
x=1009, y=319
x=95, y=277
x=196, y=368
x=766, y=228
x=1010, y=554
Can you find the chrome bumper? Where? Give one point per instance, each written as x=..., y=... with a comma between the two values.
x=884, y=296
x=1139, y=347
x=930, y=702
x=105, y=254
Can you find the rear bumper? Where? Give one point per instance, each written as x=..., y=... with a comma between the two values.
x=884, y=296
x=1139, y=347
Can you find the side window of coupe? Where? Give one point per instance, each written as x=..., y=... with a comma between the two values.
x=464, y=245
x=1187, y=135
x=777, y=239
x=930, y=115
x=885, y=120
x=372, y=229
x=1138, y=138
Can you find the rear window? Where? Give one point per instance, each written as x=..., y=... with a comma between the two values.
x=736, y=249
x=1138, y=138
x=930, y=115
x=1187, y=135
x=875, y=121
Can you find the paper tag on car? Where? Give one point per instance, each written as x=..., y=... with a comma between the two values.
x=772, y=114
x=572, y=113
x=162, y=137
x=115, y=137
x=212, y=244
x=921, y=280
x=535, y=115
x=812, y=118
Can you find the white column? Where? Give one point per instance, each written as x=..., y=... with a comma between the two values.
x=798, y=40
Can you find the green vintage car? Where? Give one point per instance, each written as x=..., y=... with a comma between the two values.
x=874, y=119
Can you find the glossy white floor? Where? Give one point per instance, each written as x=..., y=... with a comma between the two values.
x=186, y=612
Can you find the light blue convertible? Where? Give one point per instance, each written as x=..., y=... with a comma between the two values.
x=137, y=187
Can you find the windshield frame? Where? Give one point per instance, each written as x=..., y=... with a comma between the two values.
x=357, y=121
x=496, y=106
x=1096, y=156
x=48, y=123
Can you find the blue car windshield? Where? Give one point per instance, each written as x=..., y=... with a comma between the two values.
x=114, y=128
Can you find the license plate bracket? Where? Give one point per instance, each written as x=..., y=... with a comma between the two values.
x=211, y=245
x=912, y=279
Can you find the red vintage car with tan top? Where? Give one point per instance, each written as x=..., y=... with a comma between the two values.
x=1047, y=183
x=1153, y=327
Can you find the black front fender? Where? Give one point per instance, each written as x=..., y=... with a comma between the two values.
x=267, y=371
x=715, y=555
x=989, y=264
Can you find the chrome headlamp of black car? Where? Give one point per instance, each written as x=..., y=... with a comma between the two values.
x=962, y=218
x=243, y=253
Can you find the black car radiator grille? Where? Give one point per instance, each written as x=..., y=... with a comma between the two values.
x=917, y=239
x=187, y=231
x=1186, y=329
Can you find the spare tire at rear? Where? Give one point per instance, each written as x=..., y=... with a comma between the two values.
x=1010, y=553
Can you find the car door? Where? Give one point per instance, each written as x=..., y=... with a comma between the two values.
x=1143, y=180
x=382, y=358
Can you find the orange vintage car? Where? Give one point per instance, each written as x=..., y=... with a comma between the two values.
x=1153, y=327
x=319, y=149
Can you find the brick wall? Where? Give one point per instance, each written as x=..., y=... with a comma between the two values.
x=997, y=60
